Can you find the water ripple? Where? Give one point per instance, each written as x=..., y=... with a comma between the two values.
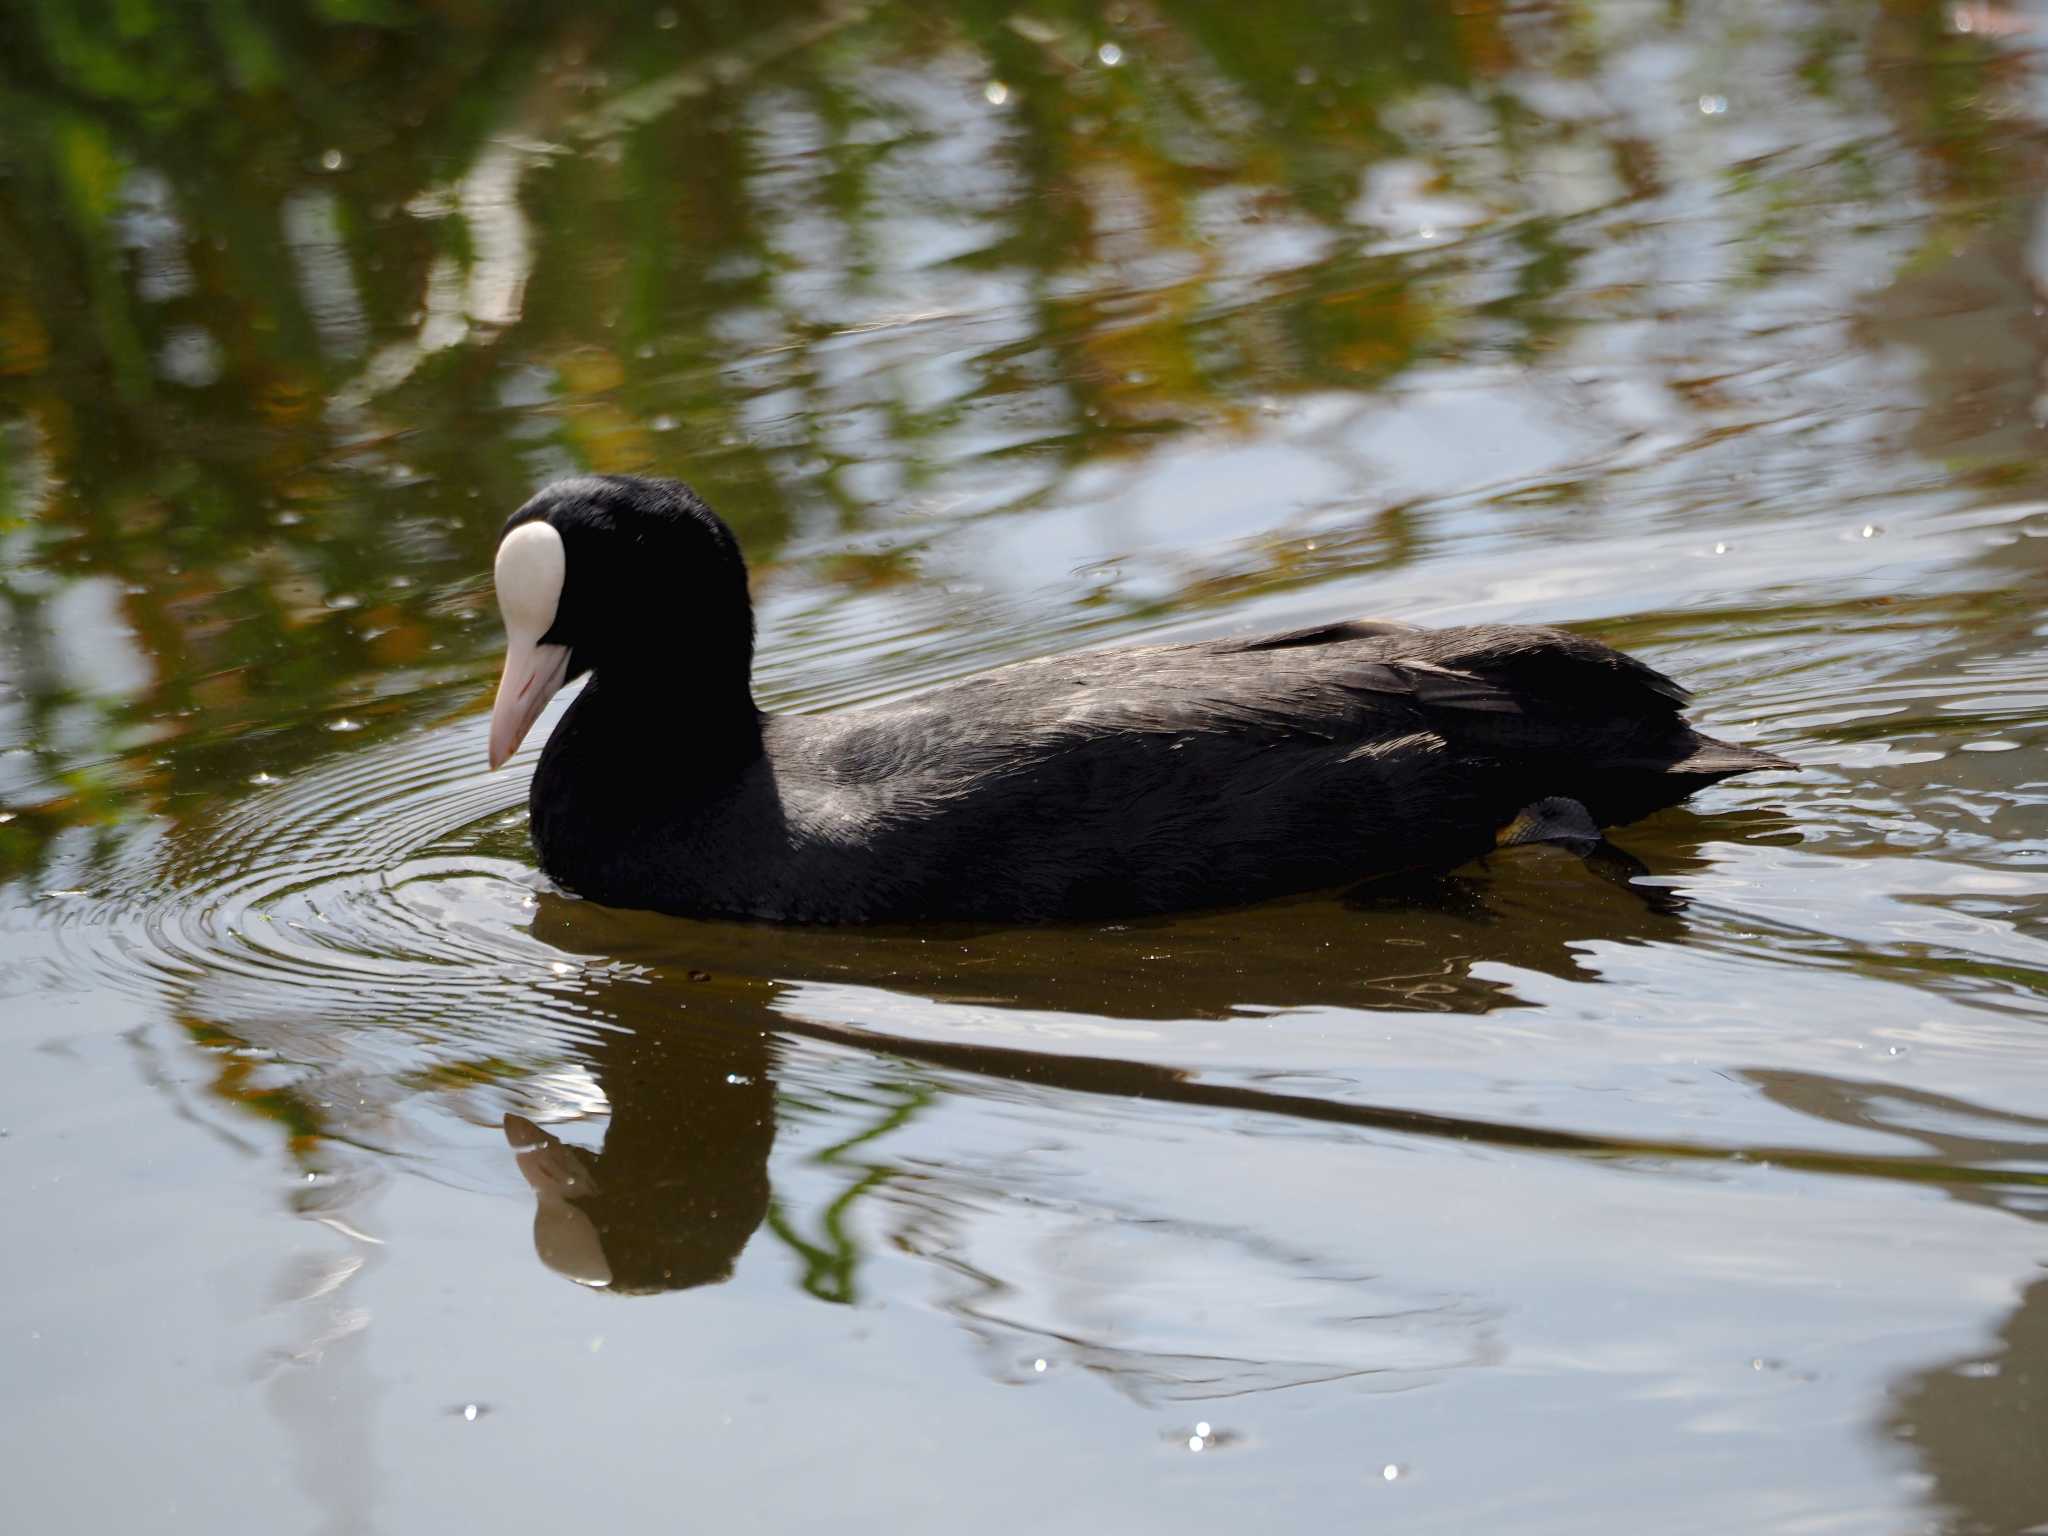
x=366, y=895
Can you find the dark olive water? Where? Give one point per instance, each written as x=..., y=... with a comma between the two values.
x=355, y=1180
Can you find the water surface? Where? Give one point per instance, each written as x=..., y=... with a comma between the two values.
x=355, y=1174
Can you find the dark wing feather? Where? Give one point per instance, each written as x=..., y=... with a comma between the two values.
x=1154, y=777
x=1341, y=680
x=1567, y=671
x=1322, y=634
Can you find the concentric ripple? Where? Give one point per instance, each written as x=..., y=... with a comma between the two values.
x=354, y=918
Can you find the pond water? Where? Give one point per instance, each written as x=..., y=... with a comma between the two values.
x=353, y=1174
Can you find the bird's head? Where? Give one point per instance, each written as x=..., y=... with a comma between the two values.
x=627, y=578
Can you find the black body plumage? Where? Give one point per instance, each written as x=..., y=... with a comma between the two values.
x=1098, y=784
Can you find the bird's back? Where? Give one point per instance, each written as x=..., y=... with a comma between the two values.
x=1146, y=779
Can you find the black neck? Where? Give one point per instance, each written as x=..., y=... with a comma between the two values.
x=671, y=730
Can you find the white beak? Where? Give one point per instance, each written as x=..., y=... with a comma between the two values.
x=533, y=674
x=564, y=1236
x=531, y=569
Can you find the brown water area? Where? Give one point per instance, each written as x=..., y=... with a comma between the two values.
x=354, y=1179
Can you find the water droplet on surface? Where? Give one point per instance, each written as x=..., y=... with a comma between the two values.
x=561, y=967
x=1390, y=1471
x=1895, y=1050
x=1036, y=1365
x=663, y=423
x=469, y=1412
x=1202, y=1429
x=1976, y=1370
x=333, y=160
x=1110, y=54
x=1720, y=549
x=1194, y=1442
x=344, y=725
x=1870, y=530
x=1713, y=106
x=995, y=93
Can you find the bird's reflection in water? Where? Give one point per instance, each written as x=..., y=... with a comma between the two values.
x=682, y=1179
x=681, y=1183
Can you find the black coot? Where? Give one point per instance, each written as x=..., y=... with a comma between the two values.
x=1099, y=784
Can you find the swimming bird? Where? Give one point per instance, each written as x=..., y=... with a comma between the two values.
x=1090, y=785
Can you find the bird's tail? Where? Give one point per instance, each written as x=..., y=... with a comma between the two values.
x=1711, y=759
